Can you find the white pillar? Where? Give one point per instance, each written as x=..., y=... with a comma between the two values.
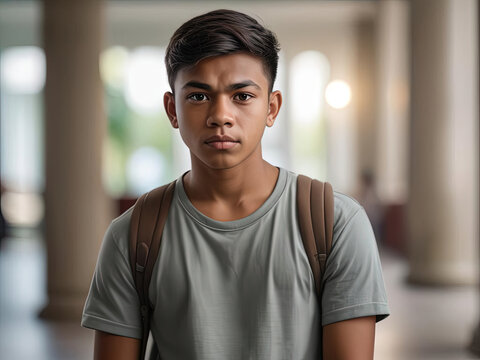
x=392, y=100
x=475, y=343
x=77, y=209
x=443, y=199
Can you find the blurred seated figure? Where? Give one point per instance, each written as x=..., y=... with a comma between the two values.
x=3, y=224
x=367, y=196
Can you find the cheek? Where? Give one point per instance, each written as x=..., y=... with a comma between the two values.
x=188, y=137
x=179, y=111
x=257, y=110
x=184, y=118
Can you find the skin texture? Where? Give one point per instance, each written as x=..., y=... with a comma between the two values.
x=113, y=347
x=352, y=339
x=229, y=95
x=225, y=95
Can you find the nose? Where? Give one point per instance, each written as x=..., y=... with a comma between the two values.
x=221, y=112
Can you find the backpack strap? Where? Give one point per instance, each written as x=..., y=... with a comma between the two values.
x=315, y=216
x=146, y=227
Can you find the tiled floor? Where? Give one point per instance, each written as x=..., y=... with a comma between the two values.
x=426, y=323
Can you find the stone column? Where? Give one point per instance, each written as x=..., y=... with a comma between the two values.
x=392, y=119
x=392, y=100
x=443, y=199
x=475, y=343
x=77, y=209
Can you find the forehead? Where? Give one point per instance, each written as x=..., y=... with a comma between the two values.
x=224, y=70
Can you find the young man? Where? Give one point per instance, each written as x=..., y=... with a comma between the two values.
x=232, y=279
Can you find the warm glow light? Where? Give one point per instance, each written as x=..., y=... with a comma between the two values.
x=338, y=94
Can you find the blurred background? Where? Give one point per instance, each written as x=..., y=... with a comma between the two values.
x=380, y=99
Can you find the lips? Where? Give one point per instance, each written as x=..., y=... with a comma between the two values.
x=221, y=142
x=223, y=138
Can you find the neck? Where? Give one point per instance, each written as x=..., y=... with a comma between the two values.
x=232, y=186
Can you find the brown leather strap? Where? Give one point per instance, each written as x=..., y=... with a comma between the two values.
x=146, y=227
x=329, y=214
x=134, y=225
x=306, y=226
x=165, y=197
x=315, y=216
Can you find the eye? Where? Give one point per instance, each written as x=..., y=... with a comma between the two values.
x=197, y=97
x=243, y=97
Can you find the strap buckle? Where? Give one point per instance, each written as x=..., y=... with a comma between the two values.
x=139, y=267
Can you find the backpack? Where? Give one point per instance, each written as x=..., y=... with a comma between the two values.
x=150, y=214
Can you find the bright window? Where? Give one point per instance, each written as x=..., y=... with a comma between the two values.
x=138, y=149
x=309, y=74
x=22, y=156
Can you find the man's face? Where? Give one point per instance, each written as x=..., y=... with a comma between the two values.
x=221, y=107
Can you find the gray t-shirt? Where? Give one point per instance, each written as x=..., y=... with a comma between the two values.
x=240, y=289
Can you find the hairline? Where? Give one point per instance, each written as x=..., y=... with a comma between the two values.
x=190, y=66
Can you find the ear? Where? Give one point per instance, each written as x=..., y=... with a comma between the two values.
x=274, y=104
x=169, y=104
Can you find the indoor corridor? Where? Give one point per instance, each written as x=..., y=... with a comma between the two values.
x=400, y=132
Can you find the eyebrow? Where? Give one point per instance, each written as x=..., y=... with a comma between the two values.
x=236, y=86
x=243, y=84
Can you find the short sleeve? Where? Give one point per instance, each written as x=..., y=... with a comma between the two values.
x=353, y=284
x=112, y=303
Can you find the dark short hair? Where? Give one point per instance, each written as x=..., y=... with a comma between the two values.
x=221, y=32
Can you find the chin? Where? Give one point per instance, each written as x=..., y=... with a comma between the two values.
x=220, y=164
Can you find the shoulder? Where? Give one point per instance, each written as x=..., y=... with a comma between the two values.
x=353, y=237
x=118, y=232
x=122, y=222
x=345, y=208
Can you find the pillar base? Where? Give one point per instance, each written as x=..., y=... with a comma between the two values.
x=63, y=308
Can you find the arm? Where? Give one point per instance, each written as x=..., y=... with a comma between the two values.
x=112, y=305
x=350, y=339
x=114, y=347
